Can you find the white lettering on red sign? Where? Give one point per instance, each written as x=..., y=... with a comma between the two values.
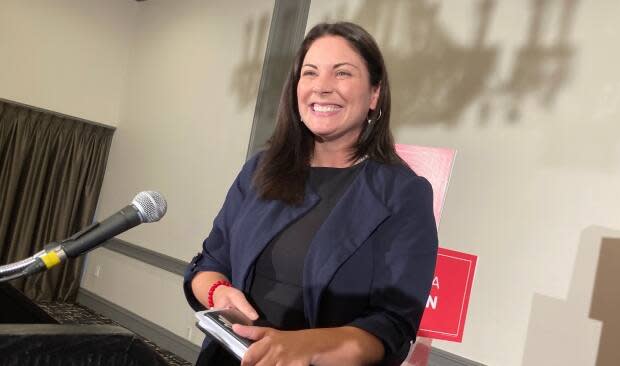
x=432, y=302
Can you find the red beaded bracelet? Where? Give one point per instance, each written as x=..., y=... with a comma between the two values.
x=215, y=285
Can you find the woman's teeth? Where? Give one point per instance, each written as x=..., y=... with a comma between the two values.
x=325, y=108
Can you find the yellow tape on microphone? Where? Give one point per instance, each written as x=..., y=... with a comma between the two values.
x=50, y=259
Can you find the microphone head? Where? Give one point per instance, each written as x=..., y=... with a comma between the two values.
x=151, y=205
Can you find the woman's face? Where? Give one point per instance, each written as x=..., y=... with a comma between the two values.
x=334, y=92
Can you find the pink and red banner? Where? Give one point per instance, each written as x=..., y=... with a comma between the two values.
x=446, y=307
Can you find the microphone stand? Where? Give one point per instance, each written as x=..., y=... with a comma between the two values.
x=51, y=255
x=54, y=253
x=147, y=206
x=47, y=258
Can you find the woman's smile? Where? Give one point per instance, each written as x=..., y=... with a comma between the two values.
x=325, y=109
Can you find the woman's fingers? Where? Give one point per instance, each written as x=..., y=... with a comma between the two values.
x=274, y=347
x=239, y=301
x=257, y=352
x=250, y=332
x=225, y=296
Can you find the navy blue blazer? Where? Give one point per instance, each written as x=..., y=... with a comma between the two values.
x=370, y=264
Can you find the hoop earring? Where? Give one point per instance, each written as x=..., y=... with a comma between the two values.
x=369, y=120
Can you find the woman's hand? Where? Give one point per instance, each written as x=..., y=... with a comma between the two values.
x=319, y=346
x=276, y=347
x=223, y=296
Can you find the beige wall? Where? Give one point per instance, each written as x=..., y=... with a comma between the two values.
x=187, y=115
x=179, y=80
x=532, y=107
x=184, y=130
x=69, y=56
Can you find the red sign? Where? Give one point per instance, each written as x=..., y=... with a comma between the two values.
x=446, y=307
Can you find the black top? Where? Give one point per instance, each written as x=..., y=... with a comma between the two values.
x=276, y=290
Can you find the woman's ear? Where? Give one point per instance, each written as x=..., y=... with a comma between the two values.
x=374, y=97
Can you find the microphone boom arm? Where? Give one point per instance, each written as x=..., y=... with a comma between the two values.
x=147, y=206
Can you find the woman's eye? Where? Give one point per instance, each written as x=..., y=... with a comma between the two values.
x=308, y=73
x=342, y=73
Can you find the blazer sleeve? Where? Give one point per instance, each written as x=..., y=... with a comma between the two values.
x=215, y=254
x=405, y=252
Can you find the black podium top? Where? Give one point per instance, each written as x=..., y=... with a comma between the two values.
x=16, y=308
x=31, y=337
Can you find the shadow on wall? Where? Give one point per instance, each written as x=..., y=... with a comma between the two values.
x=247, y=74
x=585, y=328
x=606, y=302
x=436, y=78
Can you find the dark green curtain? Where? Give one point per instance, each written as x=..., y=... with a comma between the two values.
x=51, y=170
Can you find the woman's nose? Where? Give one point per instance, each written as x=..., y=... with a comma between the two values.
x=323, y=85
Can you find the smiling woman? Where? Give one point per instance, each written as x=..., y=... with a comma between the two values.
x=334, y=97
x=334, y=111
x=327, y=236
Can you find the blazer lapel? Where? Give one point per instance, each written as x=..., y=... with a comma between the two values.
x=347, y=227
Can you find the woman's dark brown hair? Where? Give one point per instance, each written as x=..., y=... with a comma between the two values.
x=284, y=165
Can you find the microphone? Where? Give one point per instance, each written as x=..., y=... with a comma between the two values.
x=147, y=206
